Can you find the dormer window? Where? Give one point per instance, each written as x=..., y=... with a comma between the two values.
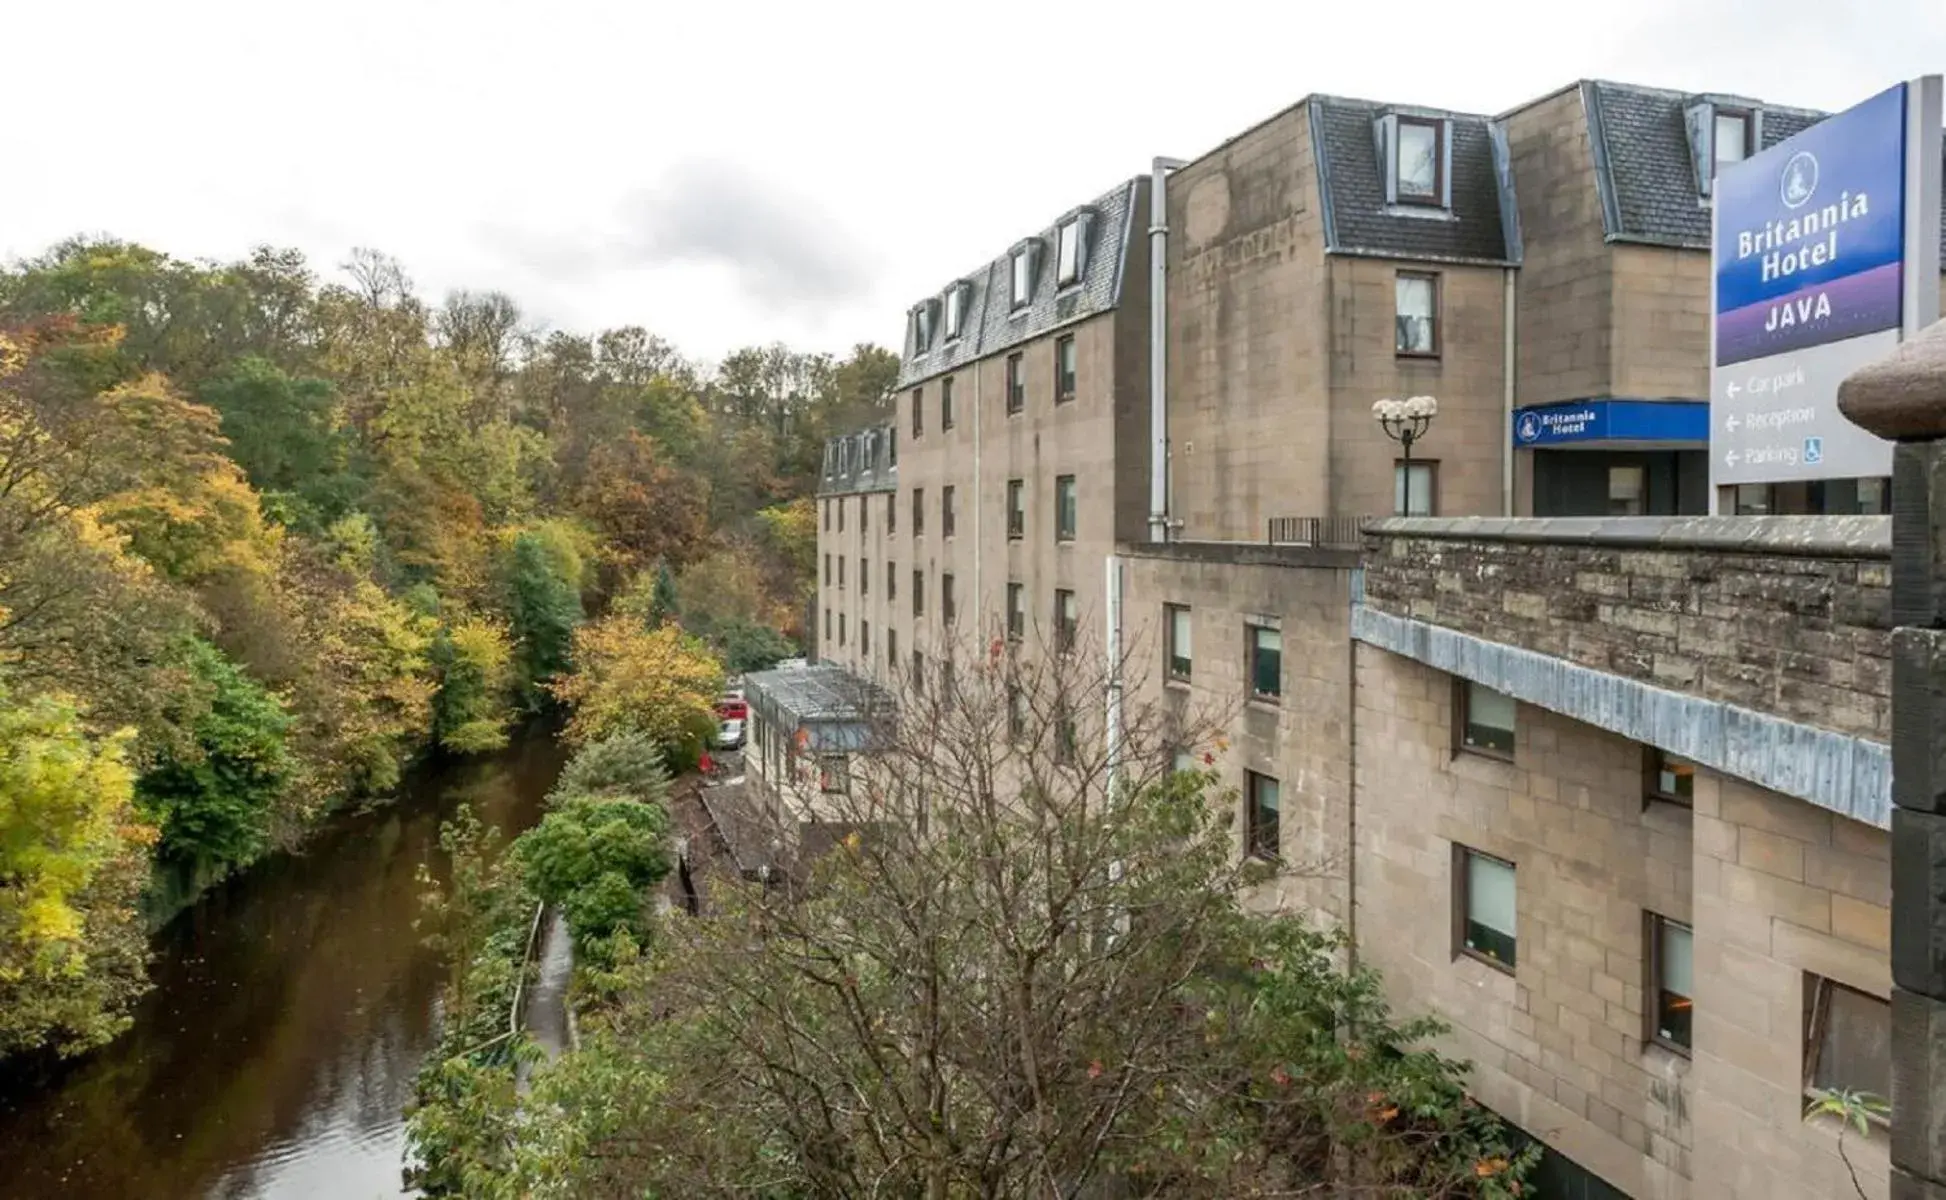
x=922, y=328
x=956, y=298
x=1419, y=161
x=1730, y=137
x=1023, y=275
x=1068, y=259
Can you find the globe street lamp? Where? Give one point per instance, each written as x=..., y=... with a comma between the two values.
x=1405, y=422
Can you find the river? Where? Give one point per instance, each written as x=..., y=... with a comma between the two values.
x=292, y=1007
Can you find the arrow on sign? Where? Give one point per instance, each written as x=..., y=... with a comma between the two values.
x=1734, y=389
x=1731, y=424
x=1730, y=459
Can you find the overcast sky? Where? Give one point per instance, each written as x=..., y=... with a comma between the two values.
x=726, y=172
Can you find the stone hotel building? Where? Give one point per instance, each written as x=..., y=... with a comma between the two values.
x=1598, y=777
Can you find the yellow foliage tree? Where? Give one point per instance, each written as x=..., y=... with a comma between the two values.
x=630, y=678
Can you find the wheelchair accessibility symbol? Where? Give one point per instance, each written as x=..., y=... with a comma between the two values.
x=1813, y=451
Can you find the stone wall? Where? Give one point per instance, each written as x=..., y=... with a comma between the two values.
x=1782, y=615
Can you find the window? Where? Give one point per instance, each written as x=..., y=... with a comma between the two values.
x=1175, y=635
x=1415, y=327
x=1067, y=620
x=955, y=310
x=946, y=510
x=1016, y=509
x=1628, y=491
x=892, y=651
x=1483, y=907
x=864, y=577
x=1064, y=508
x=1419, y=162
x=834, y=773
x=1266, y=662
x=1064, y=369
x=922, y=328
x=1067, y=258
x=841, y=515
x=1731, y=142
x=946, y=403
x=827, y=516
x=827, y=624
x=1016, y=385
x=1669, y=989
x=841, y=572
x=1016, y=611
x=828, y=576
x=1023, y=276
x=1847, y=1040
x=1066, y=741
x=918, y=511
x=1486, y=724
x=864, y=638
x=946, y=609
x=1261, y=794
x=918, y=411
x=891, y=512
x=918, y=672
x=864, y=515
x=1413, y=488
x=1016, y=713
x=918, y=592
x=1671, y=779
x=841, y=629
x=891, y=580
x=892, y=447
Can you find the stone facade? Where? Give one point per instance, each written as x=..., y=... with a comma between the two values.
x=1303, y=738
x=1772, y=887
x=1783, y=615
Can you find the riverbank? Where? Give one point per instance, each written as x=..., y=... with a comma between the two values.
x=293, y=1004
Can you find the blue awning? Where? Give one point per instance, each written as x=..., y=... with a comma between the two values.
x=1574, y=421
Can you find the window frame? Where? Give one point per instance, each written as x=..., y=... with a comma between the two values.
x=948, y=516
x=948, y=603
x=864, y=576
x=1016, y=611
x=1462, y=717
x=918, y=591
x=1021, y=279
x=1654, y=925
x=1399, y=194
x=1402, y=478
x=864, y=514
x=918, y=412
x=1432, y=280
x=1817, y=1013
x=1067, y=508
x=891, y=579
x=864, y=638
x=946, y=404
x=918, y=512
x=1067, y=253
x=1746, y=120
x=1251, y=628
x=841, y=572
x=1652, y=793
x=1066, y=375
x=829, y=575
x=1256, y=844
x=891, y=512
x=1067, y=630
x=892, y=649
x=1016, y=383
x=955, y=311
x=1016, y=509
x=1461, y=902
x=1170, y=672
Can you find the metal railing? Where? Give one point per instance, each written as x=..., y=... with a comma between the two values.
x=1334, y=532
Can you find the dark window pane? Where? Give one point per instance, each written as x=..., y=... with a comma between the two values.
x=1854, y=1041
x=1266, y=661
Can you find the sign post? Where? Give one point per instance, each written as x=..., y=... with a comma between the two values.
x=1824, y=256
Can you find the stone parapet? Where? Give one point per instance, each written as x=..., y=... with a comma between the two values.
x=1789, y=616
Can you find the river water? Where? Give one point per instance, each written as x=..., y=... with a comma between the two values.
x=292, y=1007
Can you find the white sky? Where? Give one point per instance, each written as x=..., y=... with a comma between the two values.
x=727, y=172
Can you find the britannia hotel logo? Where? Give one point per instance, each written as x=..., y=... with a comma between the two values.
x=1800, y=179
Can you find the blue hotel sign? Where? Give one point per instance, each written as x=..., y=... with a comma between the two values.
x=1810, y=235
x=1611, y=421
x=1825, y=253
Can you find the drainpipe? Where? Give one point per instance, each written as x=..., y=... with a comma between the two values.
x=1507, y=376
x=979, y=491
x=1113, y=640
x=1159, y=346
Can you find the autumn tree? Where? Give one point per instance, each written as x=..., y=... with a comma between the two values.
x=644, y=507
x=661, y=683
x=1026, y=969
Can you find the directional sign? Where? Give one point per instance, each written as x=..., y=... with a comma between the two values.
x=1825, y=253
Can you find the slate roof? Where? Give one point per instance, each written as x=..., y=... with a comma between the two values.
x=1643, y=165
x=1483, y=225
x=992, y=327
x=864, y=461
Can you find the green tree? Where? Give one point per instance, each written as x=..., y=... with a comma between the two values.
x=662, y=599
x=473, y=659
x=283, y=433
x=214, y=804
x=544, y=603
x=622, y=766
x=596, y=858
x=747, y=646
x=72, y=857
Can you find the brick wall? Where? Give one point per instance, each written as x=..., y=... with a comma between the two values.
x=1773, y=887
x=1783, y=615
